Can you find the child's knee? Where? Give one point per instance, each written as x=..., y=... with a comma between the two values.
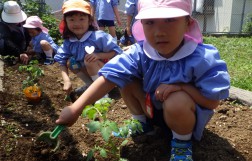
x=44, y=43
x=179, y=103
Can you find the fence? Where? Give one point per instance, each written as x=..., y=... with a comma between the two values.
x=223, y=16
x=214, y=16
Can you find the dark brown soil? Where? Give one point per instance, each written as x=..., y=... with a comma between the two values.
x=228, y=136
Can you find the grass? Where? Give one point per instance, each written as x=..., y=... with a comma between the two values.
x=237, y=52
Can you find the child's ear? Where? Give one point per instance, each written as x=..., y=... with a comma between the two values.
x=189, y=22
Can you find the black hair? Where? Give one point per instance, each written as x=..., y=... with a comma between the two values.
x=38, y=29
x=67, y=33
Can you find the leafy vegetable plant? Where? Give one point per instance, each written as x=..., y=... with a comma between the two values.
x=34, y=73
x=97, y=113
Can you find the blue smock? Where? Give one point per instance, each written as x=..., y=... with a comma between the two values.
x=104, y=9
x=101, y=41
x=197, y=64
x=43, y=36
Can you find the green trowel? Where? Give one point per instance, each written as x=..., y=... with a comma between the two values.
x=51, y=138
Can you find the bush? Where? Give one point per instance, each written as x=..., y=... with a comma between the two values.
x=248, y=24
x=31, y=8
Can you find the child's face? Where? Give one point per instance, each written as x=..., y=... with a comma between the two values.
x=33, y=32
x=165, y=35
x=78, y=24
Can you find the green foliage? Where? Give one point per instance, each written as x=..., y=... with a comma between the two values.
x=237, y=53
x=100, y=107
x=99, y=122
x=119, y=32
x=34, y=72
x=247, y=27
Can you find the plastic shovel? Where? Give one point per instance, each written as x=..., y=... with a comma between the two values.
x=52, y=137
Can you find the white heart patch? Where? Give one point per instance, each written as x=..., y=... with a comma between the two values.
x=89, y=49
x=108, y=1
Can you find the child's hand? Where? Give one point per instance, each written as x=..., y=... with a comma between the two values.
x=24, y=58
x=163, y=91
x=67, y=117
x=91, y=57
x=67, y=87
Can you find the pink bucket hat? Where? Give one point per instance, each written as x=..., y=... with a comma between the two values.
x=151, y=9
x=35, y=22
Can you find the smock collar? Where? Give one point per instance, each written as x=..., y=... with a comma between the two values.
x=188, y=48
x=84, y=37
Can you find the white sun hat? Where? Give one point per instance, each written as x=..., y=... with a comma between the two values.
x=12, y=13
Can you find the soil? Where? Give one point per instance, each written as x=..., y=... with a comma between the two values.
x=228, y=136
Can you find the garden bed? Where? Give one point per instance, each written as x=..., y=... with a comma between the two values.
x=227, y=136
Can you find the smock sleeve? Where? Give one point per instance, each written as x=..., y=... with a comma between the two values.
x=104, y=42
x=63, y=54
x=123, y=68
x=211, y=74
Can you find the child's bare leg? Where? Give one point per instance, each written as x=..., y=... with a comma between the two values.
x=134, y=99
x=179, y=113
x=93, y=67
x=47, y=48
x=81, y=73
x=112, y=31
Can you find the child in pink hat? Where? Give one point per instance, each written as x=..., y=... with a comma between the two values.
x=168, y=79
x=41, y=44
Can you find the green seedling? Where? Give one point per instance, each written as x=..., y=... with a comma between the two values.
x=105, y=127
x=34, y=72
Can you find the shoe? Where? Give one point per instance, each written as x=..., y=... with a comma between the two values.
x=49, y=61
x=135, y=129
x=181, y=150
x=77, y=92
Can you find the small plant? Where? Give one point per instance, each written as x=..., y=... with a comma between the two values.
x=30, y=86
x=34, y=73
x=97, y=113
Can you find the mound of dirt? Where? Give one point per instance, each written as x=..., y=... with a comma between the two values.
x=226, y=137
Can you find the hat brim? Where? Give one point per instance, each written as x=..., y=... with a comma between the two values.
x=160, y=12
x=76, y=9
x=14, y=18
x=29, y=26
x=193, y=32
x=44, y=29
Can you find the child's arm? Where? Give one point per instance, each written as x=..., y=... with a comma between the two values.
x=118, y=19
x=198, y=97
x=163, y=91
x=70, y=114
x=67, y=82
